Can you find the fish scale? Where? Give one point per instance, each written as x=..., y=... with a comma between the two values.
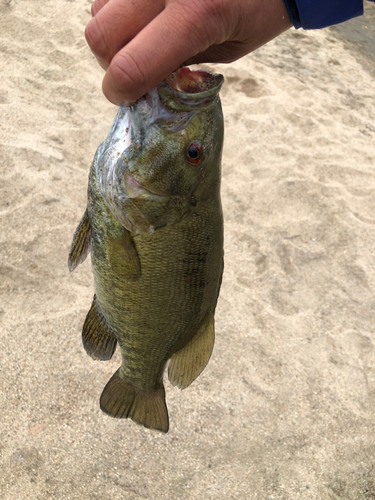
x=154, y=226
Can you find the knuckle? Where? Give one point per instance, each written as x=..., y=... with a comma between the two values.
x=127, y=74
x=207, y=20
x=218, y=17
x=203, y=9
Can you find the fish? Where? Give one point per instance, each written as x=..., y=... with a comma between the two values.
x=154, y=227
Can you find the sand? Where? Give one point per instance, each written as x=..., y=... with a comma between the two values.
x=286, y=407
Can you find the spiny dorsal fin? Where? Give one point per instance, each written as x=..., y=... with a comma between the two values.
x=81, y=243
x=120, y=399
x=97, y=337
x=187, y=363
x=124, y=257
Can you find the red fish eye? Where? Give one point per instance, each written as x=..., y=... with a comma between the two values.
x=194, y=153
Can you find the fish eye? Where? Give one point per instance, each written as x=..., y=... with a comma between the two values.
x=194, y=153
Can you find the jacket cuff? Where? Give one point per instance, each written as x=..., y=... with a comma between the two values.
x=291, y=7
x=316, y=14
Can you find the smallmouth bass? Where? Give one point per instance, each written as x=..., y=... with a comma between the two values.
x=154, y=227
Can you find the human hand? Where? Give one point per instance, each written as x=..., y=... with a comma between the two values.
x=140, y=42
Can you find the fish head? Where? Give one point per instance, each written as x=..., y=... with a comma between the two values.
x=177, y=129
x=172, y=142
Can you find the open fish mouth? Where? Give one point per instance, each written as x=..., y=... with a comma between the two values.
x=186, y=81
x=185, y=89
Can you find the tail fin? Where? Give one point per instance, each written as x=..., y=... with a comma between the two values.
x=148, y=408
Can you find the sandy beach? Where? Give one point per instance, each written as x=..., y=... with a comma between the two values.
x=286, y=407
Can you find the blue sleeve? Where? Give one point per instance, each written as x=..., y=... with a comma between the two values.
x=315, y=14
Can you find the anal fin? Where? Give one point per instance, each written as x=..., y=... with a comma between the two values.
x=97, y=337
x=189, y=362
x=81, y=243
x=145, y=407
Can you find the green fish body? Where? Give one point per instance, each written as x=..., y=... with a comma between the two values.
x=154, y=226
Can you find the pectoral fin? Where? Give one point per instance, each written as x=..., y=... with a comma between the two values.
x=145, y=407
x=81, y=243
x=124, y=257
x=97, y=337
x=187, y=363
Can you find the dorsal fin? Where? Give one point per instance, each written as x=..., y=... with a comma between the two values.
x=97, y=337
x=187, y=363
x=81, y=243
